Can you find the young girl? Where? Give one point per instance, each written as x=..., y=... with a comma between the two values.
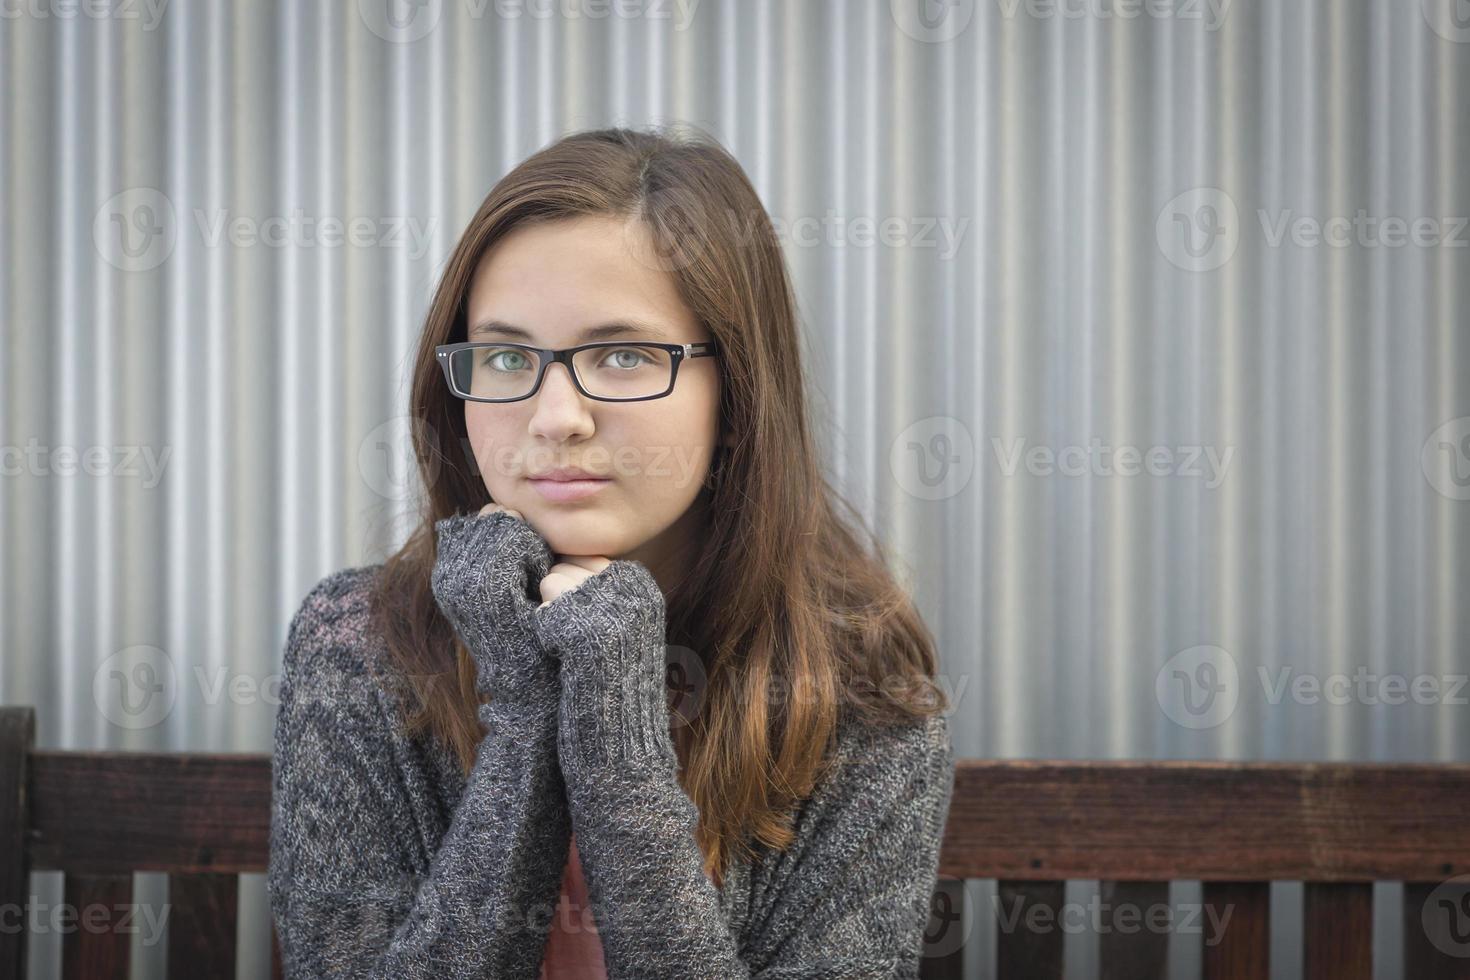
x=478, y=736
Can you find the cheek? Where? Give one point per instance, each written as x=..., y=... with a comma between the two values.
x=678, y=452
x=491, y=436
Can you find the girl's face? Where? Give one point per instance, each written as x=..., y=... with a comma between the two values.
x=555, y=281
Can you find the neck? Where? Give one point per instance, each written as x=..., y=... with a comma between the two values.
x=670, y=554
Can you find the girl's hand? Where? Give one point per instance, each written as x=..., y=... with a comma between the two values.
x=567, y=575
x=484, y=581
x=606, y=627
x=607, y=615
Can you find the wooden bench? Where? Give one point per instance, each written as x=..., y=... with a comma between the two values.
x=1032, y=826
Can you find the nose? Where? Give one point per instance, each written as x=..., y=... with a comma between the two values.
x=561, y=412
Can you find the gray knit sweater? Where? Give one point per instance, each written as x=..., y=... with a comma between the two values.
x=386, y=861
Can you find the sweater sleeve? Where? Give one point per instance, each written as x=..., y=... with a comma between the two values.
x=849, y=899
x=348, y=897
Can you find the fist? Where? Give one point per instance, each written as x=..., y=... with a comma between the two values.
x=484, y=580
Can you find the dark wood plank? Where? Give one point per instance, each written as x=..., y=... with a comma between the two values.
x=947, y=932
x=97, y=943
x=17, y=737
x=1028, y=930
x=1241, y=948
x=201, y=929
x=1129, y=947
x=1337, y=931
x=1211, y=821
x=1437, y=930
x=163, y=812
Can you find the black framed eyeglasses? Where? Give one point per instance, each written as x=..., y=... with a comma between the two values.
x=609, y=371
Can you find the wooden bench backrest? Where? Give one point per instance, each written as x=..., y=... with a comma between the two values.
x=1134, y=826
x=1235, y=827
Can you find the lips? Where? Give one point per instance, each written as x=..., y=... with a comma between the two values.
x=565, y=474
x=565, y=490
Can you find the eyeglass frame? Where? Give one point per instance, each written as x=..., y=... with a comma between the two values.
x=546, y=356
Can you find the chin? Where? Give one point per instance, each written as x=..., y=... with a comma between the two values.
x=581, y=534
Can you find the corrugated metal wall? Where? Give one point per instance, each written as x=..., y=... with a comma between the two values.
x=1142, y=338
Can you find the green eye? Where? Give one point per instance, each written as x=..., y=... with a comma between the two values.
x=514, y=365
x=639, y=357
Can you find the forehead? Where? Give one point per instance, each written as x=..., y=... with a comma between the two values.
x=559, y=277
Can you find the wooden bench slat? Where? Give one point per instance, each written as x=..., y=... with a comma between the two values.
x=201, y=930
x=1028, y=933
x=1208, y=821
x=1437, y=930
x=1337, y=931
x=1242, y=951
x=100, y=951
x=1129, y=949
x=165, y=812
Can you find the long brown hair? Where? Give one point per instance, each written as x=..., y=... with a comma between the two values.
x=789, y=604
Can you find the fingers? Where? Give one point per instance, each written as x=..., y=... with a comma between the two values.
x=566, y=575
x=557, y=582
x=590, y=564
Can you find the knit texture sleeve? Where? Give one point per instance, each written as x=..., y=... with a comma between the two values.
x=350, y=890
x=849, y=899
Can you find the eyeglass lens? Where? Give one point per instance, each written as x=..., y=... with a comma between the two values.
x=625, y=371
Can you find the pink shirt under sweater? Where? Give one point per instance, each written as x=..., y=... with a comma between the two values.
x=573, y=949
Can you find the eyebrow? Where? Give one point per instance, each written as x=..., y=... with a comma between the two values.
x=599, y=332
